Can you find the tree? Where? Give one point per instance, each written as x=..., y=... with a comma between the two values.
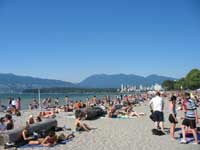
x=191, y=81
x=168, y=85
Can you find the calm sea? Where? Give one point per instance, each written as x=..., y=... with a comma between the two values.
x=28, y=97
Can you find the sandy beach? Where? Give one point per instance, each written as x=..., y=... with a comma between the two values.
x=112, y=134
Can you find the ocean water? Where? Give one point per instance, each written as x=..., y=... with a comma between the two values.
x=27, y=98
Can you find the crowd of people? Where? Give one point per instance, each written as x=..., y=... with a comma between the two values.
x=119, y=106
x=188, y=103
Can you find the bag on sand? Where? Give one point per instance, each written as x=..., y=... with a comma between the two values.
x=157, y=132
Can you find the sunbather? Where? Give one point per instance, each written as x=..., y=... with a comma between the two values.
x=80, y=126
x=47, y=114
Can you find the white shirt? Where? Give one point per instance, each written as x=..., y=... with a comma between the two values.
x=14, y=102
x=158, y=103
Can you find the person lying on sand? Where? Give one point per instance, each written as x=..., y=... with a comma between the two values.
x=47, y=114
x=134, y=113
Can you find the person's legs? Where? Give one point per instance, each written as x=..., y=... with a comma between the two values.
x=156, y=125
x=194, y=132
x=86, y=126
x=142, y=114
x=34, y=142
x=172, y=129
x=70, y=136
x=161, y=124
x=156, y=119
x=183, y=133
x=132, y=114
x=161, y=121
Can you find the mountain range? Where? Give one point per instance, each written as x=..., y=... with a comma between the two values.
x=115, y=81
x=11, y=82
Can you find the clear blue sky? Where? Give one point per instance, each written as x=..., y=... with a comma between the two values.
x=72, y=39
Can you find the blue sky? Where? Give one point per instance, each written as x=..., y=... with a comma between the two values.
x=70, y=40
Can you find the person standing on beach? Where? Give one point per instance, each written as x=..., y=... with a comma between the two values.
x=191, y=119
x=49, y=101
x=18, y=104
x=157, y=106
x=66, y=100
x=10, y=102
x=172, y=117
x=56, y=101
x=13, y=103
x=44, y=102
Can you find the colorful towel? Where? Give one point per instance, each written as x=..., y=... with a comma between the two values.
x=120, y=117
x=188, y=139
x=39, y=145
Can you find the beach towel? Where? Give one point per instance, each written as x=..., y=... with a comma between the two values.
x=39, y=145
x=125, y=117
x=119, y=117
x=189, y=139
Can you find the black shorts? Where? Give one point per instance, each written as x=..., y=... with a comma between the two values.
x=172, y=120
x=189, y=123
x=158, y=116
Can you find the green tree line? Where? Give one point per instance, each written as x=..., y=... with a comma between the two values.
x=191, y=81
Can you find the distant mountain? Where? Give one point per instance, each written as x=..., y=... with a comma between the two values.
x=11, y=82
x=115, y=81
x=15, y=83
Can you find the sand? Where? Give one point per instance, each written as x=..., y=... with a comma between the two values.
x=114, y=134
